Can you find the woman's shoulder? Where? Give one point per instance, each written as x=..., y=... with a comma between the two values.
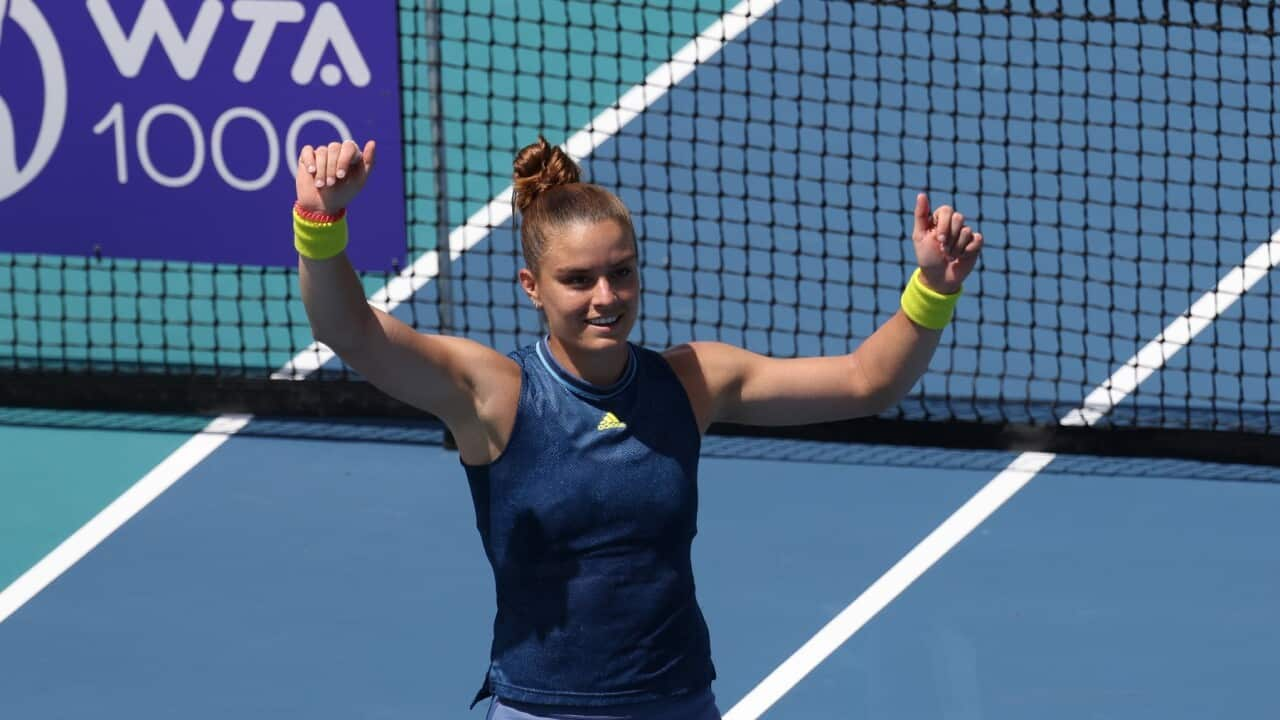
x=662, y=360
x=524, y=353
x=699, y=366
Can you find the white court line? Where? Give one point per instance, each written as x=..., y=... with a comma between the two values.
x=1013, y=478
x=702, y=47
x=161, y=478
x=1199, y=316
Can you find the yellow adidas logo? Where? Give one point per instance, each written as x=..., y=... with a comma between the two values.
x=610, y=422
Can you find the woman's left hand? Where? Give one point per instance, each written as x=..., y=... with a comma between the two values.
x=946, y=248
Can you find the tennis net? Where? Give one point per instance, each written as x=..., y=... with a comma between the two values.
x=1118, y=156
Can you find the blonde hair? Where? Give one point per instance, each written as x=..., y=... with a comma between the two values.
x=549, y=195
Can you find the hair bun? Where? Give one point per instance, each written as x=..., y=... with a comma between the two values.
x=540, y=167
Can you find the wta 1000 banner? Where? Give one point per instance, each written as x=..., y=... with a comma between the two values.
x=171, y=129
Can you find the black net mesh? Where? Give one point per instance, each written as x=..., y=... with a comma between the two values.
x=1118, y=156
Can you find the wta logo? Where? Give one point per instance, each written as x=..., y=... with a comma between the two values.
x=25, y=16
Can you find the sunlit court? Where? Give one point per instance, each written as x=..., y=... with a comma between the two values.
x=208, y=510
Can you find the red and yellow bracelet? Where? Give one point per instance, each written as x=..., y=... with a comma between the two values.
x=318, y=235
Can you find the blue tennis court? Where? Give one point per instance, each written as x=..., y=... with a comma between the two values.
x=1121, y=168
x=343, y=579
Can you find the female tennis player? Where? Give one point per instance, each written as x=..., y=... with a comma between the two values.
x=582, y=450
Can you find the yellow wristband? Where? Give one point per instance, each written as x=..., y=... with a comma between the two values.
x=927, y=308
x=319, y=240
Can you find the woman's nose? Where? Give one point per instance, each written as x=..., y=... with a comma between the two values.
x=604, y=292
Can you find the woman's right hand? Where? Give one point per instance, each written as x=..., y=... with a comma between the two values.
x=330, y=177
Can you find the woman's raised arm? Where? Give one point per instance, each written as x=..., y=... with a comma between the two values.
x=454, y=379
x=730, y=384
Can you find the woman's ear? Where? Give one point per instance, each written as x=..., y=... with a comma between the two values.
x=529, y=282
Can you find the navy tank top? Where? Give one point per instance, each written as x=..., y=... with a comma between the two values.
x=587, y=517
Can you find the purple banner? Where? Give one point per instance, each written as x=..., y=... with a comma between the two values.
x=171, y=129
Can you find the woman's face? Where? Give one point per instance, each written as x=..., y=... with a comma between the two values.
x=588, y=275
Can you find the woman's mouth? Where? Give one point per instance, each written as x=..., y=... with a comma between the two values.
x=605, y=322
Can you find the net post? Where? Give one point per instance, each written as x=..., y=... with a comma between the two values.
x=444, y=250
x=435, y=86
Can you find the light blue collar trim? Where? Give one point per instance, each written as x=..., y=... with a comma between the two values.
x=581, y=387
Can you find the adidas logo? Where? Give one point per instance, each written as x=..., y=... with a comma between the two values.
x=610, y=422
